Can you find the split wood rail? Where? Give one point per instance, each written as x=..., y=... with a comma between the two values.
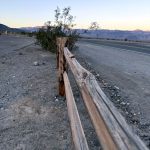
x=111, y=128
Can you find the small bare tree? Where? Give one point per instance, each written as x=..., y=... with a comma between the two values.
x=95, y=26
x=64, y=19
x=61, y=26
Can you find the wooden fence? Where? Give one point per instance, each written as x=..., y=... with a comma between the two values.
x=111, y=128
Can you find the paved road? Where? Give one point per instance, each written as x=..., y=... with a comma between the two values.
x=133, y=46
x=126, y=65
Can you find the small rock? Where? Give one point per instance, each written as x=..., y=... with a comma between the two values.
x=139, y=113
x=123, y=103
x=56, y=100
x=116, y=87
x=97, y=75
x=36, y=63
x=134, y=114
x=127, y=113
x=128, y=104
x=105, y=84
x=118, y=100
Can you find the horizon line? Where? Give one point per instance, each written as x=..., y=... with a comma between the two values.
x=82, y=28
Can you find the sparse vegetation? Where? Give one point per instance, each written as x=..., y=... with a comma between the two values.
x=62, y=26
x=95, y=26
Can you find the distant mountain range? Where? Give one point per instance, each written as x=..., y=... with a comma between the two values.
x=136, y=35
x=4, y=28
x=31, y=29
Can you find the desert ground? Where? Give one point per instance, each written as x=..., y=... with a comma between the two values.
x=32, y=114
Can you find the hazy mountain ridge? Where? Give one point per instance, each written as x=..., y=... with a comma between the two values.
x=138, y=35
x=31, y=29
x=4, y=28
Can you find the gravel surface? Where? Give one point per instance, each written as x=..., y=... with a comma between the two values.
x=32, y=116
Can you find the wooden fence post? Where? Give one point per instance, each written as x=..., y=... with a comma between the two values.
x=61, y=64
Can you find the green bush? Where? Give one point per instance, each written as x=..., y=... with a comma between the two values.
x=62, y=27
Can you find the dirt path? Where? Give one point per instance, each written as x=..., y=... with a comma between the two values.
x=32, y=117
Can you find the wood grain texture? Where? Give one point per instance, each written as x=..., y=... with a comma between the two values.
x=78, y=135
x=111, y=128
x=61, y=64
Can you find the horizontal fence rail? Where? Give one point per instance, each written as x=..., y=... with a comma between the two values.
x=112, y=130
x=76, y=126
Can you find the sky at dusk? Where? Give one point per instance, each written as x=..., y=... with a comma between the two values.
x=110, y=14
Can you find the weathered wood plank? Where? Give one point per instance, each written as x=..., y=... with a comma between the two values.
x=111, y=128
x=61, y=64
x=78, y=135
